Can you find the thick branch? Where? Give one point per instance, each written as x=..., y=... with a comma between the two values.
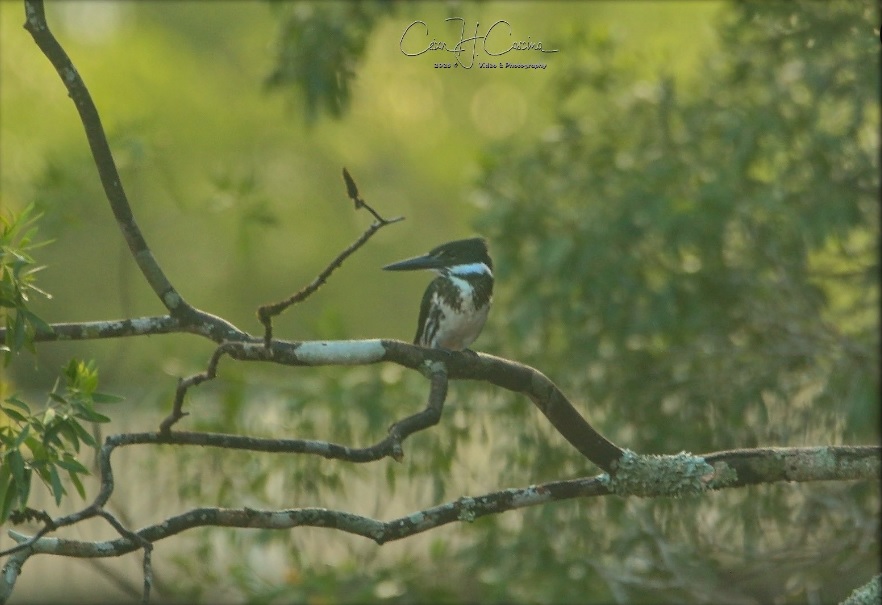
x=780, y=464
x=11, y=570
x=193, y=321
x=389, y=446
x=463, y=509
x=437, y=373
x=495, y=370
x=460, y=365
x=822, y=463
x=111, y=328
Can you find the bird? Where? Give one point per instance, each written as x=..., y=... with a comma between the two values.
x=455, y=304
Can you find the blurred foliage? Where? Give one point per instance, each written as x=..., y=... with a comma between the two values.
x=692, y=258
x=319, y=49
x=697, y=266
x=18, y=271
x=703, y=269
x=708, y=258
x=241, y=202
x=46, y=442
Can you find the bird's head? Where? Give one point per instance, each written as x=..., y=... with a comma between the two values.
x=460, y=257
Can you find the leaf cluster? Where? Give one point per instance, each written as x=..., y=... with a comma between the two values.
x=318, y=51
x=700, y=262
x=700, y=257
x=18, y=273
x=46, y=442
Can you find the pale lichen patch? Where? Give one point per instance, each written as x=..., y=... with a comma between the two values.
x=651, y=475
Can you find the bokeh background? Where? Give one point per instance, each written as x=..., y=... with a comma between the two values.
x=683, y=212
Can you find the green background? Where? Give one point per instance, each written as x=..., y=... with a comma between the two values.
x=683, y=213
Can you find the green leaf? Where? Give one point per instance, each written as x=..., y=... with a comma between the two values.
x=7, y=495
x=84, y=435
x=75, y=479
x=106, y=398
x=20, y=483
x=69, y=463
x=21, y=437
x=90, y=415
x=15, y=401
x=81, y=376
x=24, y=489
x=68, y=432
x=51, y=438
x=16, y=465
x=35, y=320
x=14, y=414
x=57, y=487
x=71, y=370
x=5, y=474
x=19, y=333
x=38, y=450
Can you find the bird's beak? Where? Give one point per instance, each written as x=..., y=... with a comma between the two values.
x=418, y=262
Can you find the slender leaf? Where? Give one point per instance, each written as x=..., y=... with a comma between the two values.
x=57, y=487
x=106, y=398
x=75, y=479
x=21, y=437
x=7, y=496
x=24, y=489
x=69, y=463
x=16, y=465
x=91, y=415
x=15, y=401
x=68, y=432
x=14, y=414
x=84, y=435
x=39, y=324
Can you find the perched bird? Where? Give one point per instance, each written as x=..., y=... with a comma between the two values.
x=456, y=303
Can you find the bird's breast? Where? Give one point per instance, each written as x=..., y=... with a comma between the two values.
x=459, y=314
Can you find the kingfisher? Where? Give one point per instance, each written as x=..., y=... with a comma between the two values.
x=456, y=303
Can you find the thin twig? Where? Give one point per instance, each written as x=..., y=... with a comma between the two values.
x=429, y=417
x=352, y=192
x=265, y=313
x=137, y=539
x=184, y=385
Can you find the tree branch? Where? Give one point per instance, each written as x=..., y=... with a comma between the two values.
x=769, y=465
x=466, y=365
x=183, y=317
x=11, y=570
x=36, y=25
x=111, y=328
x=142, y=543
x=625, y=473
x=266, y=313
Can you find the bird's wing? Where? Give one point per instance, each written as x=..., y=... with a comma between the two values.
x=425, y=309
